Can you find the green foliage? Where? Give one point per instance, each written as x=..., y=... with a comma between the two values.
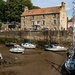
x=5, y=40
x=0, y=24
x=41, y=44
x=35, y=7
x=11, y=10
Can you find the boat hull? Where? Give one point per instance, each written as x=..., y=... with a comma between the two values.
x=56, y=48
x=17, y=50
x=29, y=46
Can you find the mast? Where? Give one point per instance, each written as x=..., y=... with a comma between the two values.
x=71, y=51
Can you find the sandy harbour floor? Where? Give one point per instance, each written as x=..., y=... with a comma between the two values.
x=32, y=62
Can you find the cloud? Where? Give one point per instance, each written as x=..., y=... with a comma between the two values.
x=68, y=8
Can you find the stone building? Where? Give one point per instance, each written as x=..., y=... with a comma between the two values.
x=70, y=23
x=53, y=18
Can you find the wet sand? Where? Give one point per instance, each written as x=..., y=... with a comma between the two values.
x=32, y=62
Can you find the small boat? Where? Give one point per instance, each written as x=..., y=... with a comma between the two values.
x=28, y=45
x=1, y=56
x=55, y=48
x=17, y=49
x=70, y=65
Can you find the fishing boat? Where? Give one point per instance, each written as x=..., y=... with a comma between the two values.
x=17, y=49
x=70, y=61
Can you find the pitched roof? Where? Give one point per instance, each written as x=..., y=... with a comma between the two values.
x=71, y=20
x=42, y=11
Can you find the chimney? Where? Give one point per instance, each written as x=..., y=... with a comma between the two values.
x=26, y=9
x=62, y=4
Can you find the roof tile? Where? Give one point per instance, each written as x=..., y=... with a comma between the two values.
x=42, y=11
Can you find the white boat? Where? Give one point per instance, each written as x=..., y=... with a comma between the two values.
x=17, y=49
x=1, y=56
x=28, y=45
x=55, y=48
x=70, y=62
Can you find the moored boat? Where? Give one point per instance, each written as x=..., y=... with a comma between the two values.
x=17, y=49
x=55, y=48
x=28, y=45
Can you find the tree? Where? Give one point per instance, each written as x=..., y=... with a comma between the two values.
x=15, y=9
x=11, y=10
x=0, y=25
x=35, y=7
x=1, y=9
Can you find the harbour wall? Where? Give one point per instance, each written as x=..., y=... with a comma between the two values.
x=47, y=35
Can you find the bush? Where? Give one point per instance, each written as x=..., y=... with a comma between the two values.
x=4, y=40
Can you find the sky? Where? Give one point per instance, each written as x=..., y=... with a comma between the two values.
x=50, y=3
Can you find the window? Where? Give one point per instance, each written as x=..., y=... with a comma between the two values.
x=54, y=22
x=54, y=15
x=32, y=17
x=43, y=16
x=24, y=22
x=32, y=22
x=38, y=23
x=43, y=22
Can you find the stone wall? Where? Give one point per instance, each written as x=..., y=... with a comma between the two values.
x=39, y=35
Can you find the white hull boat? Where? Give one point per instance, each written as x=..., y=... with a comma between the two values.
x=28, y=45
x=17, y=49
x=1, y=56
x=55, y=48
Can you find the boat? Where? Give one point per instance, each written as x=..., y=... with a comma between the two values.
x=55, y=48
x=28, y=45
x=70, y=61
x=17, y=49
x=1, y=56
x=70, y=65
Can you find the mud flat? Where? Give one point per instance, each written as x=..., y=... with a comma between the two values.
x=32, y=62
